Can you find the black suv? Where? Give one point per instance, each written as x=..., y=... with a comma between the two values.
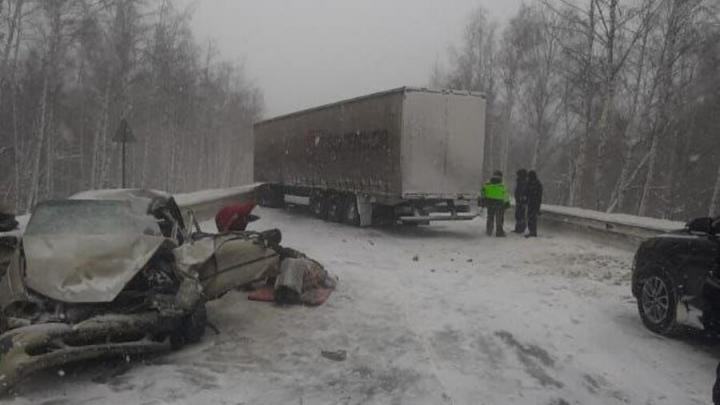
x=676, y=279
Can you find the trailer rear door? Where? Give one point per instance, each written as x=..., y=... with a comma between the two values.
x=443, y=143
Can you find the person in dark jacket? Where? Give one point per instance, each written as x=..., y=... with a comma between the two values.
x=534, y=201
x=521, y=201
x=496, y=199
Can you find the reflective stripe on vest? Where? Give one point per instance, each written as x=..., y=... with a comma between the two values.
x=495, y=192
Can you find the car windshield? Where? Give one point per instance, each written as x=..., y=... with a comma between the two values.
x=82, y=217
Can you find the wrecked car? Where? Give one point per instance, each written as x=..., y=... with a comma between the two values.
x=118, y=273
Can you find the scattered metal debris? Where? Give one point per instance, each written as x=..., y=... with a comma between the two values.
x=337, y=355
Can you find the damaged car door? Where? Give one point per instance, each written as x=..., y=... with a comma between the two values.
x=227, y=261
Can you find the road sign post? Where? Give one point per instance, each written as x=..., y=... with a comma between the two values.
x=124, y=135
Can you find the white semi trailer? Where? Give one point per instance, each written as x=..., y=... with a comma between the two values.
x=406, y=155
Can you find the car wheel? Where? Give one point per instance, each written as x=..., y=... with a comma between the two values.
x=191, y=328
x=657, y=303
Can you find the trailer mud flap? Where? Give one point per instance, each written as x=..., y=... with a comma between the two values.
x=365, y=210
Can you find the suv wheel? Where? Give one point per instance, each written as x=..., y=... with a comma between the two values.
x=657, y=303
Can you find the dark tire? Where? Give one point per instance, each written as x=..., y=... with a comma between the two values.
x=383, y=215
x=336, y=208
x=3, y=324
x=351, y=215
x=319, y=205
x=657, y=302
x=191, y=329
x=271, y=196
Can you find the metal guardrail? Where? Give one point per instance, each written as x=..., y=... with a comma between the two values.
x=623, y=226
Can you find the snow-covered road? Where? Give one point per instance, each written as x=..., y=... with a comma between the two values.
x=430, y=315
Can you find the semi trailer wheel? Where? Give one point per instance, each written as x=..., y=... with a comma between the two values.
x=352, y=215
x=336, y=208
x=271, y=196
x=319, y=205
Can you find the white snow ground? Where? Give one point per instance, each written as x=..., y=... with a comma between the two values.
x=474, y=320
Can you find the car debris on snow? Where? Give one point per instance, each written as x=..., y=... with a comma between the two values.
x=300, y=281
x=336, y=355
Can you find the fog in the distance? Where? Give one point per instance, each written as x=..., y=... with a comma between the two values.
x=304, y=53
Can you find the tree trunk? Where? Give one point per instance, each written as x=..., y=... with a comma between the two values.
x=49, y=152
x=35, y=173
x=144, y=162
x=101, y=160
x=665, y=76
x=536, y=151
x=715, y=202
x=643, y=209
x=12, y=35
x=98, y=155
x=606, y=122
x=576, y=195
x=18, y=150
x=617, y=199
x=508, y=129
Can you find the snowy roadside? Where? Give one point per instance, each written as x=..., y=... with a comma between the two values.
x=431, y=315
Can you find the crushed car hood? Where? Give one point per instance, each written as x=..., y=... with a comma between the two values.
x=86, y=269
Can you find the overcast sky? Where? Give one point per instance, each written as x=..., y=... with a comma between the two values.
x=304, y=53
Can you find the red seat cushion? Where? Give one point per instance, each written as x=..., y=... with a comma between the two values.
x=234, y=217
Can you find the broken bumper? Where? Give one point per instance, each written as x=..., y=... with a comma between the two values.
x=26, y=350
